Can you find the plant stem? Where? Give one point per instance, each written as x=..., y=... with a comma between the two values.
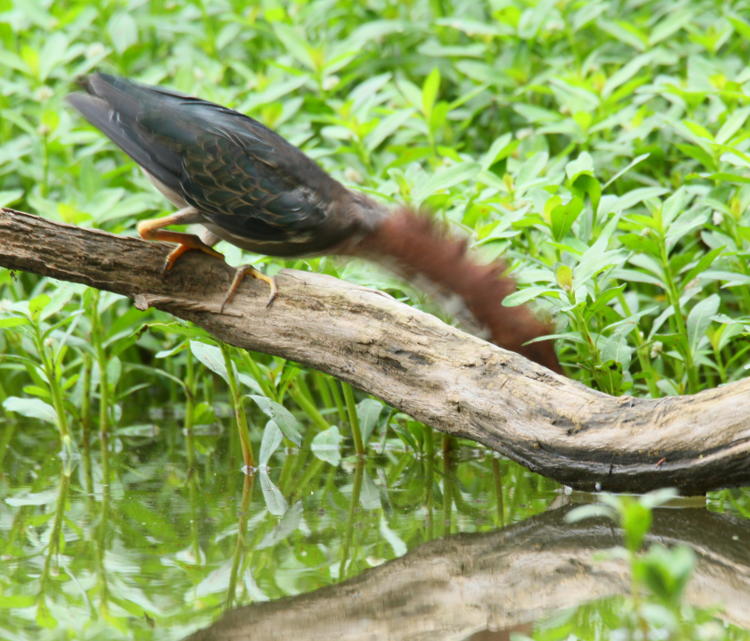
x=240, y=417
x=351, y=408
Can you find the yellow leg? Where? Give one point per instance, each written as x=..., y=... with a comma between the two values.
x=152, y=230
x=240, y=274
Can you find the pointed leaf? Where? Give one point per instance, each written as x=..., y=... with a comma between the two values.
x=283, y=418
x=288, y=524
x=369, y=495
x=700, y=318
x=327, y=445
x=211, y=357
x=32, y=408
x=430, y=91
x=270, y=442
x=368, y=412
x=274, y=499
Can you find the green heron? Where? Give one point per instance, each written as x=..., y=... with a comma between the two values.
x=245, y=184
x=241, y=181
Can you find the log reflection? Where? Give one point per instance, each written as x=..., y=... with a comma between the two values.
x=470, y=586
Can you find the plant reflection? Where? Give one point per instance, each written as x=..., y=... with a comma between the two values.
x=175, y=538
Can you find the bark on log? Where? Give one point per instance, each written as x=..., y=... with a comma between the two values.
x=438, y=374
x=500, y=581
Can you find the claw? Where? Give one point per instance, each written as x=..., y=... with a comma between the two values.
x=187, y=243
x=239, y=275
x=152, y=230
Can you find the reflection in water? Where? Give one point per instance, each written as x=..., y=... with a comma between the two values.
x=177, y=535
x=474, y=586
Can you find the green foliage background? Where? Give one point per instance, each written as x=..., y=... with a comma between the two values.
x=601, y=147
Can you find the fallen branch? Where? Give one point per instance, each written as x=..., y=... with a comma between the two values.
x=438, y=374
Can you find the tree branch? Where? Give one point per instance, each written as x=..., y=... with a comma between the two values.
x=438, y=374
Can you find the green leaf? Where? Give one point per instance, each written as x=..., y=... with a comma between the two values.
x=445, y=179
x=537, y=115
x=395, y=541
x=597, y=258
x=386, y=127
x=275, y=502
x=283, y=418
x=563, y=216
x=628, y=167
x=10, y=196
x=635, y=519
x=659, y=497
x=294, y=43
x=288, y=524
x=499, y=149
x=698, y=130
x=469, y=26
x=430, y=90
x=17, y=601
x=635, y=196
x=736, y=119
x=368, y=412
x=270, y=442
x=591, y=511
x=37, y=305
x=742, y=27
x=626, y=72
x=665, y=572
x=32, y=408
x=53, y=53
x=123, y=31
x=44, y=617
x=369, y=495
x=327, y=445
x=626, y=33
x=673, y=22
x=12, y=321
x=584, y=164
x=729, y=279
x=211, y=357
x=376, y=30
x=615, y=349
x=525, y=295
x=699, y=154
x=46, y=497
x=700, y=318
x=216, y=581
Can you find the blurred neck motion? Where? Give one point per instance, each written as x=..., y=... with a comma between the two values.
x=414, y=245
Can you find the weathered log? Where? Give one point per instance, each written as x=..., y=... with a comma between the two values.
x=458, y=383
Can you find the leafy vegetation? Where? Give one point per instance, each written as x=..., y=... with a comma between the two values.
x=601, y=147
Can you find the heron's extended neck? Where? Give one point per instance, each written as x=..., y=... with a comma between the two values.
x=415, y=245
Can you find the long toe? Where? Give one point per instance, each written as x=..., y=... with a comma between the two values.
x=239, y=275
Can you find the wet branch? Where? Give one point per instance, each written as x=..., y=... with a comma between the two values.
x=438, y=374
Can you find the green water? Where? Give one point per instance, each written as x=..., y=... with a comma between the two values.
x=180, y=534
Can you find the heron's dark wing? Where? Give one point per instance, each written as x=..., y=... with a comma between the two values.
x=239, y=174
x=115, y=106
x=251, y=182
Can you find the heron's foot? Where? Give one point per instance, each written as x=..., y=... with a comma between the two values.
x=185, y=243
x=153, y=230
x=239, y=275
